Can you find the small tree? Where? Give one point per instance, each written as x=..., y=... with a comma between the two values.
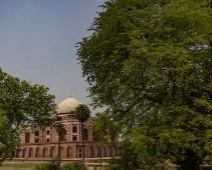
x=105, y=128
x=21, y=104
x=59, y=129
x=74, y=166
x=82, y=113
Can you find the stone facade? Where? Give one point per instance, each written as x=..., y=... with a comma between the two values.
x=44, y=143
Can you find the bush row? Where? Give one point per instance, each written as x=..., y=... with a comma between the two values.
x=54, y=164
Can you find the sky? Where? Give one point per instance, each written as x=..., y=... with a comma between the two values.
x=38, y=39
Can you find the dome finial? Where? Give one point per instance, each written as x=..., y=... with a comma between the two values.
x=70, y=96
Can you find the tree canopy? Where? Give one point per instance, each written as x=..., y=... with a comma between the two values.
x=82, y=113
x=150, y=63
x=21, y=104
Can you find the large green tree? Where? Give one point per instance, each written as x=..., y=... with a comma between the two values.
x=21, y=104
x=82, y=113
x=150, y=63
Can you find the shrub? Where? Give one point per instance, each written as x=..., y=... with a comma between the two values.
x=74, y=166
x=42, y=167
x=53, y=164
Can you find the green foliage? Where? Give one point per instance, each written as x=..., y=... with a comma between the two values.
x=127, y=159
x=150, y=63
x=42, y=167
x=21, y=104
x=54, y=164
x=94, y=168
x=74, y=166
x=4, y=133
x=106, y=127
x=82, y=113
x=59, y=127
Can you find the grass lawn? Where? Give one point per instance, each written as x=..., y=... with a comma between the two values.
x=12, y=166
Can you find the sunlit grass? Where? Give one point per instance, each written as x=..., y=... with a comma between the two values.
x=11, y=166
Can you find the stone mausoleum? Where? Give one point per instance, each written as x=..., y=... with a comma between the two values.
x=43, y=144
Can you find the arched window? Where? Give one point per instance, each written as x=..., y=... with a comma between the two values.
x=27, y=137
x=36, y=140
x=48, y=132
x=36, y=133
x=74, y=138
x=47, y=140
x=74, y=129
x=85, y=134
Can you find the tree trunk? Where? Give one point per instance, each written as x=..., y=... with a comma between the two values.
x=83, y=145
x=59, y=147
x=101, y=154
x=188, y=164
x=184, y=165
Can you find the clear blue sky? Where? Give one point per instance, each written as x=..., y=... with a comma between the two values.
x=38, y=39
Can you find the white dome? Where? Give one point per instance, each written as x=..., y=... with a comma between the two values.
x=68, y=105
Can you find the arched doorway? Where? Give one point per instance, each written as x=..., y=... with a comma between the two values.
x=31, y=153
x=70, y=152
x=98, y=151
x=110, y=152
x=91, y=152
x=62, y=152
x=24, y=153
x=37, y=153
x=45, y=153
x=104, y=152
x=27, y=137
x=113, y=152
x=18, y=153
x=53, y=152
